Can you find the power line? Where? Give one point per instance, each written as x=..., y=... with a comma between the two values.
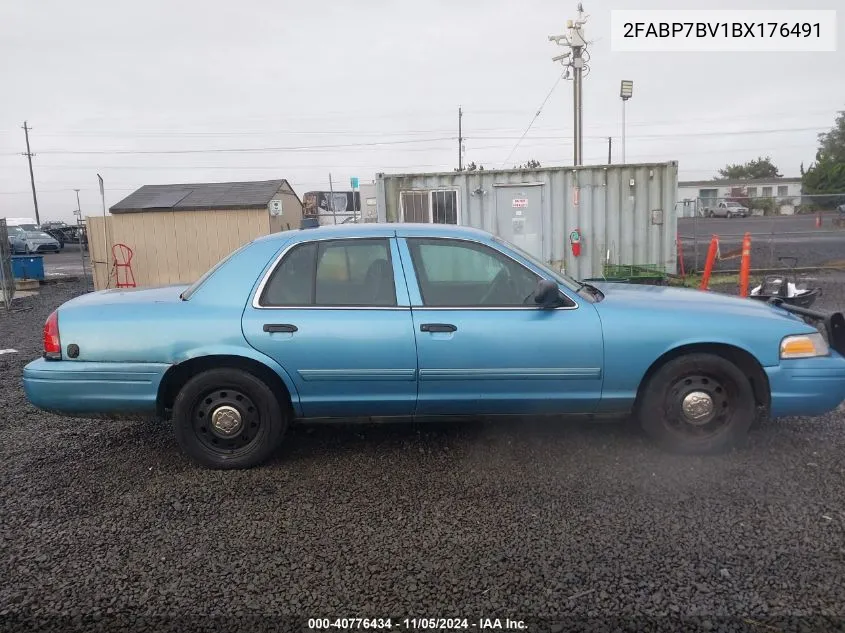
x=243, y=150
x=536, y=114
x=223, y=150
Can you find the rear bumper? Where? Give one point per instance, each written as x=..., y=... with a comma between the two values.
x=810, y=386
x=77, y=387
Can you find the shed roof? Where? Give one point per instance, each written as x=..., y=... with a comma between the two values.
x=201, y=196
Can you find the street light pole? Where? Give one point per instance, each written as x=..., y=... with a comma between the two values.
x=626, y=91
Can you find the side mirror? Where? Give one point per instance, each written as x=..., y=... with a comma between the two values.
x=547, y=294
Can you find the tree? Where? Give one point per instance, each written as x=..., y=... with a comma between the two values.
x=826, y=176
x=471, y=167
x=531, y=164
x=832, y=144
x=758, y=168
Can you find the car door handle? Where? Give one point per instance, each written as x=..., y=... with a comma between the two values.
x=280, y=327
x=438, y=327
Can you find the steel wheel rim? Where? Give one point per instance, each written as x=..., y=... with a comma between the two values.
x=699, y=405
x=226, y=421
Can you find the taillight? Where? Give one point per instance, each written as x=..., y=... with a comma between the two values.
x=52, y=344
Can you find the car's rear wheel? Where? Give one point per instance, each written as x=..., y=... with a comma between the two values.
x=228, y=418
x=698, y=404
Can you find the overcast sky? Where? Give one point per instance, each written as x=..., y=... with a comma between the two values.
x=120, y=88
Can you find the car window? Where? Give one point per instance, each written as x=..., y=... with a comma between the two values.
x=186, y=294
x=456, y=273
x=292, y=282
x=559, y=277
x=355, y=272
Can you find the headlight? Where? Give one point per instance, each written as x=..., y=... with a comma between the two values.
x=804, y=346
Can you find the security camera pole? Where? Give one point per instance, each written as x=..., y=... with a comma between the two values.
x=574, y=59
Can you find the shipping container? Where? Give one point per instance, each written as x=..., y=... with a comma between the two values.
x=622, y=214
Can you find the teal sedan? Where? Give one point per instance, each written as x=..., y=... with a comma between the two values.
x=414, y=321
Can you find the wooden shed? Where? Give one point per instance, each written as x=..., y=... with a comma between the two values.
x=177, y=232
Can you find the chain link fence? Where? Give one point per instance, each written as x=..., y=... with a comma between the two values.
x=786, y=231
x=7, y=280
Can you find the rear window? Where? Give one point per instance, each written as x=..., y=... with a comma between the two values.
x=186, y=294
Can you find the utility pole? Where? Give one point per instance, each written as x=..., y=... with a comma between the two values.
x=609, y=149
x=29, y=156
x=460, y=140
x=331, y=198
x=575, y=60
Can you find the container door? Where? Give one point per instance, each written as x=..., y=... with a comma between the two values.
x=518, y=216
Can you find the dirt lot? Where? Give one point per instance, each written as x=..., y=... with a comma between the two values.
x=566, y=525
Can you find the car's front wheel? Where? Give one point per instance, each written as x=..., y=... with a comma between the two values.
x=227, y=419
x=698, y=404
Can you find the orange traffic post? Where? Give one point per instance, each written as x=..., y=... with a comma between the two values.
x=818, y=220
x=712, y=252
x=745, y=265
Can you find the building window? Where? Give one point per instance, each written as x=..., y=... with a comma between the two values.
x=430, y=207
x=751, y=192
x=783, y=190
x=767, y=192
x=710, y=194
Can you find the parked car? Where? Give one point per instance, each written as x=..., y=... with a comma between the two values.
x=16, y=235
x=36, y=242
x=424, y=320
x=727, y=210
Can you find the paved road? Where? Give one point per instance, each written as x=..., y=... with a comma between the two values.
x=771, y=238
x=67, y=262
x=703, y=228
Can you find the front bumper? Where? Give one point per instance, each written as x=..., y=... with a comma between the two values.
x=44, y=248
x=807, y=386
x=80, y=387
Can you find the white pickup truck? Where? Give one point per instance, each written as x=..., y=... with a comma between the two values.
x=727, y=210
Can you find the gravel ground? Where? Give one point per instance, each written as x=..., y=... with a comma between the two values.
x=568, y=526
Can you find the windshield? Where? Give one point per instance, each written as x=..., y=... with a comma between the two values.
x=39, y=235
x=566, y=280
x=186, y=294
x=733, y=204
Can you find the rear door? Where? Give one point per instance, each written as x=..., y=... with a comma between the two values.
x=335, y=314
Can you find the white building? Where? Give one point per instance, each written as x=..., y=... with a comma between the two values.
x=705, y=193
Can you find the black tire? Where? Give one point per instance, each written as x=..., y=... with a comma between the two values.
x=731, y=398
x=711, y=215
x=262, y=421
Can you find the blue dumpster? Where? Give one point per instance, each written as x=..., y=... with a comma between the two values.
x=28, y=267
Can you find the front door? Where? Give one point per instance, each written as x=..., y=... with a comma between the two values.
x=330, y=315
x=483, y=346
x=519, y=217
